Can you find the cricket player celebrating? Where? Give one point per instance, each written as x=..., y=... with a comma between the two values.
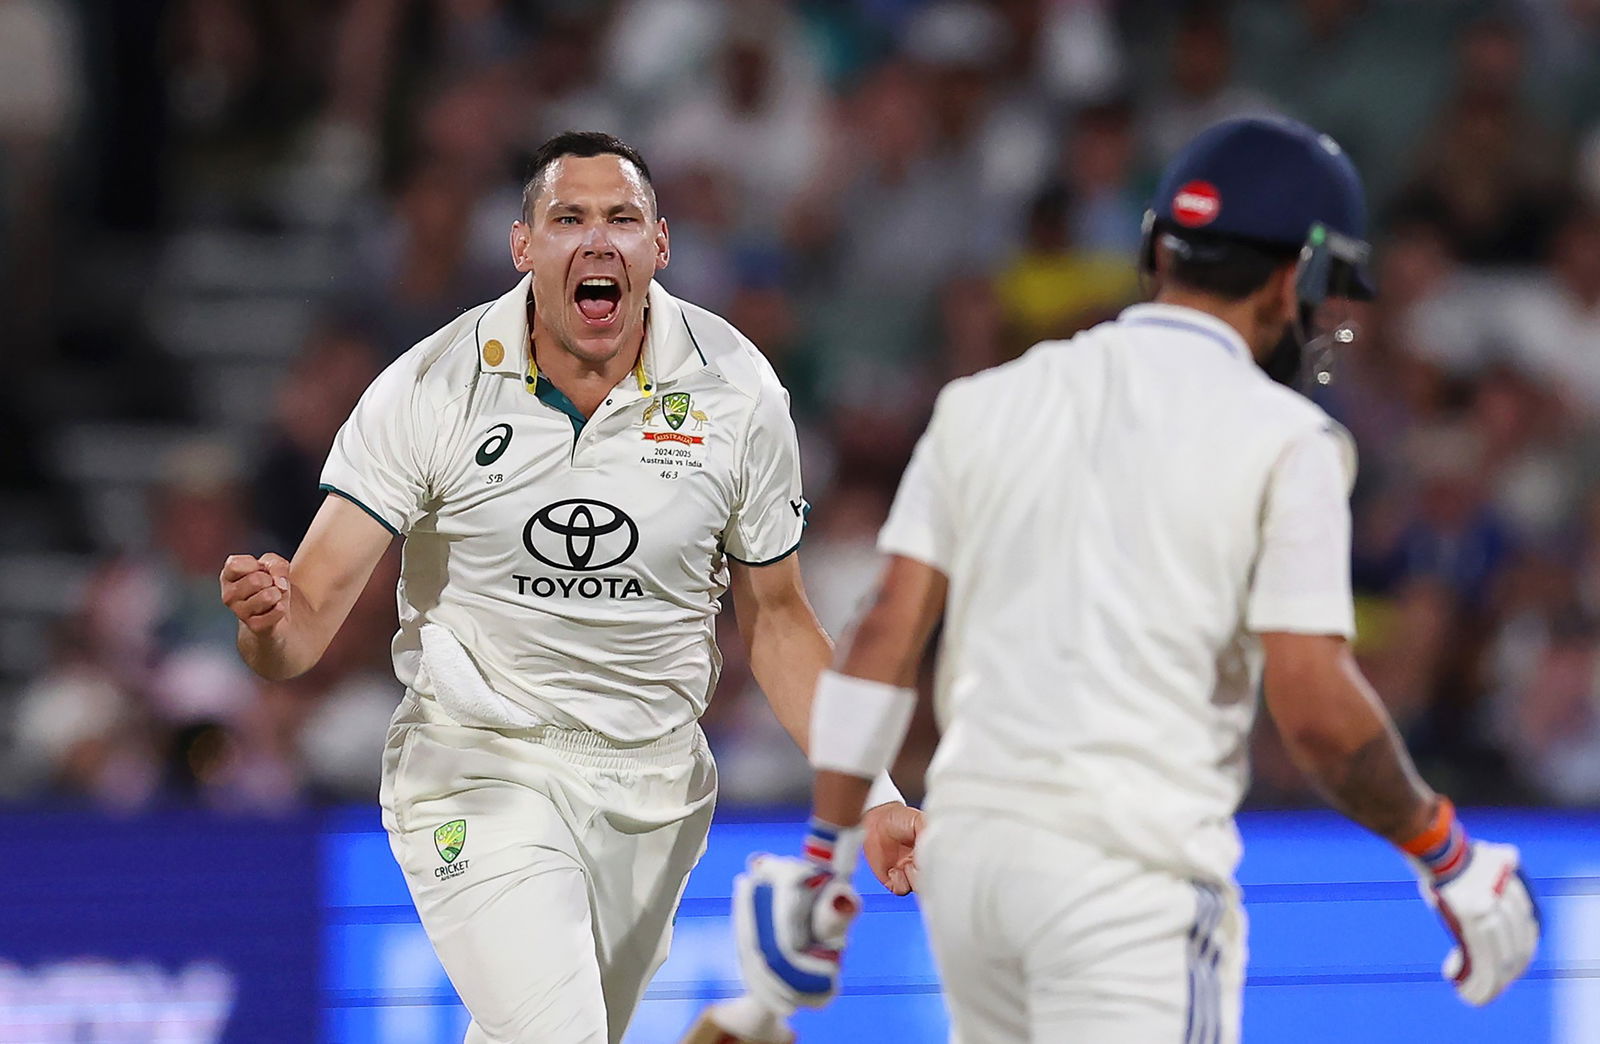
x=1125, y=534
x=579, y=470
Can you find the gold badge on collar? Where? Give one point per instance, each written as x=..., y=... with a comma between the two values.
x=494, y=353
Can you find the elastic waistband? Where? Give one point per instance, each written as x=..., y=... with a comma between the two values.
x=598, y=751
x=584, y=746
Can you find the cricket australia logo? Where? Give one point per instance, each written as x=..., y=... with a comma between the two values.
x=449, y=840
x=676, y=408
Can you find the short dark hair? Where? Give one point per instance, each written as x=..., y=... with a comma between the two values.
x=582, y=144
x=1221, y=266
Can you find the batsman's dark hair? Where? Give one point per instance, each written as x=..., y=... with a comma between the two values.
x=582, y=144
x=1221, y=266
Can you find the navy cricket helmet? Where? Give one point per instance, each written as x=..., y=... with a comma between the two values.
x=1276, y=183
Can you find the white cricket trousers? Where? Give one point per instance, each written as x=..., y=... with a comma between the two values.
x=546, y=865
x=1041, y=939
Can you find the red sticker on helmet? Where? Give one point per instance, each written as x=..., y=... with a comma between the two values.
x=1197, y=203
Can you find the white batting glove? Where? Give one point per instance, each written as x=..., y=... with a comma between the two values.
x=790, y=918
x=1479, y=891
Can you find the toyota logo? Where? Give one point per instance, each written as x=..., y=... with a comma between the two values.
x=580, y=534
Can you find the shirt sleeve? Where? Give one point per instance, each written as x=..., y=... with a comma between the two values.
x=770, y=515
x=920, y=523
x=1302, y=575
x=377, y=458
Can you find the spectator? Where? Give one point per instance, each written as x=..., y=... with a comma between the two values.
x=317, y=394
x=884, y=195
x=1201, y=89
x=1054, y=288
x=876, y=233
x=416, y=270
x=1453, y=536
x=1552, y=722
x=1489, y=176
x=705, y=238
x=1555, y=320
x=77, y=729
x=972, y=327
x=1097, y=171
x=40, y=92
x=756, y=126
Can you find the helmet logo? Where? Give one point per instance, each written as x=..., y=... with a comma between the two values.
x=1197, y=203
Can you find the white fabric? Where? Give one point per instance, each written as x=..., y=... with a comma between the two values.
x=883, y=790
x=448, y=448
x=1040, y=937
x=857, y=725
x=558, y=906
x=1116, y=514
x=1493, y=919
x=1302, y=573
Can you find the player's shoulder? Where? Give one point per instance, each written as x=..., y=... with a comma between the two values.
x=1026, y=375
x=1286, y=409
x=1290, y=418
x=441, y=366
x=731, y=354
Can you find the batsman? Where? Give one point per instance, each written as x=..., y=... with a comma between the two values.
x=1128, y=536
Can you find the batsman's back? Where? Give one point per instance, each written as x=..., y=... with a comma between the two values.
x=1103, y=512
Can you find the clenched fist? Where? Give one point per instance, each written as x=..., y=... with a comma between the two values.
x=891, y=845
x=257, y=590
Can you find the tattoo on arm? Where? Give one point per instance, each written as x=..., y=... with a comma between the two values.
x=1377, y=786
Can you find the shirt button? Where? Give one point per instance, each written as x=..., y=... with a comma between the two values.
x=608, y=402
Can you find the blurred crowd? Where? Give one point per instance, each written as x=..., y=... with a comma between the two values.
x=882, y=194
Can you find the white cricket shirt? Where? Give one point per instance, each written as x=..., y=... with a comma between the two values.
x=1118, y=515
x=578, y=562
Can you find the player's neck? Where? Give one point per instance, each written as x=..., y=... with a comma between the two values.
x=585, y=382
x=1242, y=315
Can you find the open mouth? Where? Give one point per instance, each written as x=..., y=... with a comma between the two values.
x=598, y=299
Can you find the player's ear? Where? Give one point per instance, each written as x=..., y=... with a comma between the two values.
x=663, y=244
x=521, y=240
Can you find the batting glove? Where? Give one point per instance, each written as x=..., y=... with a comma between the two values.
x=1479, y=891
x=790, y=918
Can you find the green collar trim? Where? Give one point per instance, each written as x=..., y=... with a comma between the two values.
x=554, y=397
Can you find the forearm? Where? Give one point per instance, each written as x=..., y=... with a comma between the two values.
x=881, y=650
x=288, y=650
x=283, y=637
x=882, y=660
x=788, y=650
x=1375, y=784
x=1339, y=734
x=839, y=798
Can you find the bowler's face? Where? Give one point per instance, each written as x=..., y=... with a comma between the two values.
x=593, y=243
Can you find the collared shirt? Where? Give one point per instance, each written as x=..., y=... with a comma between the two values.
x=1119, y=515
x=579, y=561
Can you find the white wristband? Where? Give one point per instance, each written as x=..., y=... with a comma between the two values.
x=857, y=725
x=883, y=792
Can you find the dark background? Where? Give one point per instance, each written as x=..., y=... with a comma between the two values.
x=219, y=218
